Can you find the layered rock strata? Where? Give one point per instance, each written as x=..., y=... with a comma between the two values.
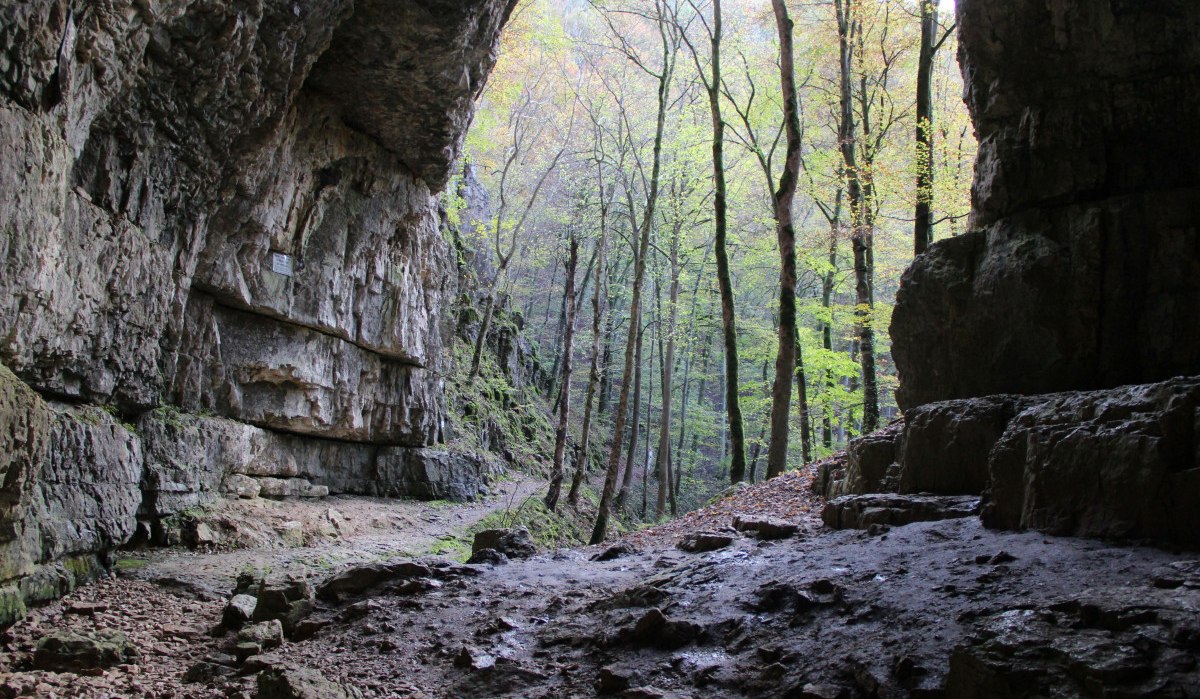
x=1081, y=273
x=1082, y=268
x=1119, y=463
x=228, y=207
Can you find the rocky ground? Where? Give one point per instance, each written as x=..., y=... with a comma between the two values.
x=943, y=608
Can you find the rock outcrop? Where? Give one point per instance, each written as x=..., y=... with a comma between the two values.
x=1082, y=268
x=70, y=480
x=1118, y=463
x=229, y=208
x=1081, y=273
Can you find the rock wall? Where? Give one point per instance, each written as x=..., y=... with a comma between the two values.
x=70, y=478
x=226, y=206
x=1082, y=268
x=1117, y=463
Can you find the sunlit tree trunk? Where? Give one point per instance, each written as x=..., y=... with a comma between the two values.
x=785, y=360
x=860, y=229
x=662, y=459
x=923, y=221
x=564, y=396
x=670, y=44
x=581, y=458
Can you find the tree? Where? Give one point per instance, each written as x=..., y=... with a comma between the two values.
x=712, y=87
x=524, y=132
x=862, y=235
x=564, y=391
x=923, y=219
x=669, y=46
x=785, y=360
x=606, y=194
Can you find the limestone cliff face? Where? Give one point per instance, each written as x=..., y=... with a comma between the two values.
x=227, y=206
x=1083, y=267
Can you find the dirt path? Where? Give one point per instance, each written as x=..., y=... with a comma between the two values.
x=166, y=601
x=367, y=529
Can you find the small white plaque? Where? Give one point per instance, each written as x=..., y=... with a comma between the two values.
x=281, y=264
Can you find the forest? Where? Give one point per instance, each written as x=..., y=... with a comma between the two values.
x=701, y=210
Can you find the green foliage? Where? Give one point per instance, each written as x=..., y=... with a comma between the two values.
x=452, y=202
x=566, y=526
x=614, y=102
x=129, y=564
x=492, y=406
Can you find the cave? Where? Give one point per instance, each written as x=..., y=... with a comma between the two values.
x=225, y=270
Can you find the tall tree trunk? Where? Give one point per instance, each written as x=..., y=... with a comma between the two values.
x=733, y=406
x=687, y=362
x=706, y=349
x=558, y=338
x=827, y=327
x=484, y=326
x=564, y=395
x=668, y=365
x=646, y=455
x=923, y=221
x=561, y=337
x=610, y=338
x=635, y=425
x=785, y=361
x=762, y=432
x=549, y=297
x=635, y=304
x=802, y=399
x=859, y=215
x=594, y=370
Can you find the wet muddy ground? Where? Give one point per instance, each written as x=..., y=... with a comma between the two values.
x=929, y=609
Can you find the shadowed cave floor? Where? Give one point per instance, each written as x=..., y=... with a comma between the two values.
x=929, y=609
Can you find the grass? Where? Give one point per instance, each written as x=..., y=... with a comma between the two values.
x=130, y=563
x=566, y=526
x=453, y=546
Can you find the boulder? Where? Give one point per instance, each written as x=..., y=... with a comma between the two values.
x=474, y=659
x=241, y=486
x=238, y=611
x=1115, y=463
x=654, y=629
x=263, y=635
x=829, y=471
x=617, y=550
x=869, y=463
x=290, y=682
x=863, y=511
x=614, y=679
x=765, y=527
x=358, y=579
x=700, y=542
x=514, y=543
x=489, y=557
x=946, y=445
x=288, y=602
x=68, y=651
